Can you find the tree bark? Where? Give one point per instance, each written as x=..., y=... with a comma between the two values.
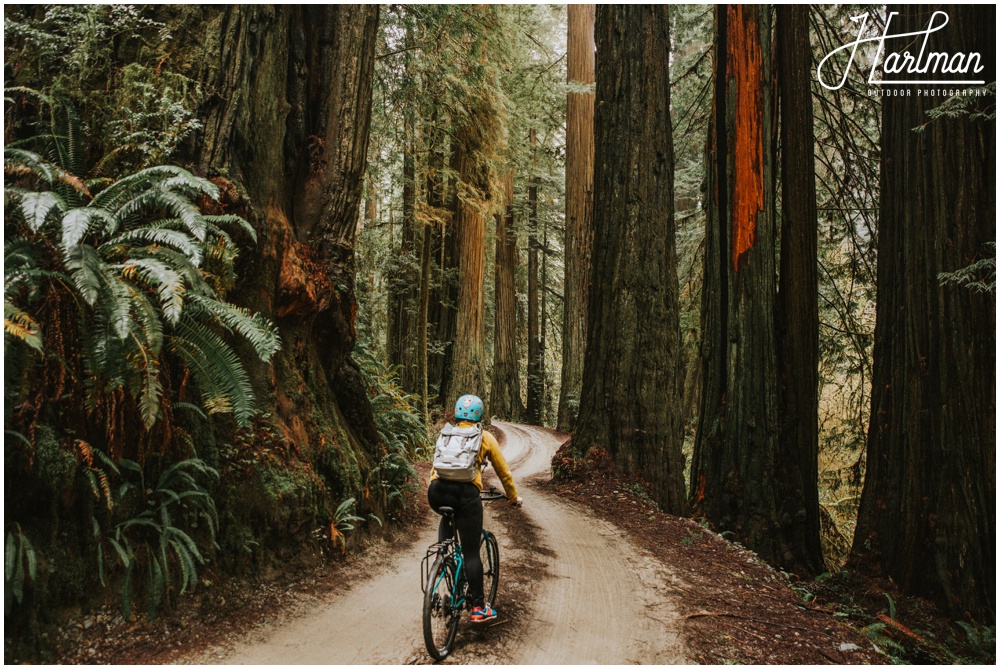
x=407, y=280
x=469, y=372
x=434, y=218
x=290, y=129
x=928, y=510
x=735, y=467
x=536, y=362
x=630, y=404
x=448, y=286
x=580, y=70
x=797, y=325
x=505, y=394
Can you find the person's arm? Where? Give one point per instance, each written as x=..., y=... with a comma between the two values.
x=495, y=456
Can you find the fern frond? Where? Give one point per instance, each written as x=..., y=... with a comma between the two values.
x=191, y=186
x=76, y=223
x=27, y=92
x=193, y=279
x=157, y=584
x=217, y=222
x=260, y=332
x=189, y=407
x=189, y=572
x=127, y=188
x=37, y=208
x=20, y=325
x=150, y=327
x=85, y=267
x=19, y=162
x=157, y=200
x=127, y=590
x=69, y=141
x=156, y=235
x=152, y=390
x=116, y=302
x=217, y=370
x=168, y=283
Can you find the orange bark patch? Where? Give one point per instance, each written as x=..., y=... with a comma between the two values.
x=303, y=286
x=745, y=70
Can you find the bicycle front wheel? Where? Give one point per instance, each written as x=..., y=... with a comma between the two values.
x=441, y=610
x=489, y=552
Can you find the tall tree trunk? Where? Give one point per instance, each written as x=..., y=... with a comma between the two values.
x=734, y=469
x=536, y=369
x=422, y=310
x=928, y=510
x=631, y=382
x=433, y=227
x=580, y=70
x=407, y=281
x=469, y=372
x=290, y=128
x=448, y=322
x=797, y=326
x=505, y=395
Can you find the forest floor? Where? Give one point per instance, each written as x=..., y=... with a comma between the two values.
x=591, y=573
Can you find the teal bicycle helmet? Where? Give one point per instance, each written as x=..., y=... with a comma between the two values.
x=469, y=407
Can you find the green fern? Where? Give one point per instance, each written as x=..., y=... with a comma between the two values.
x=224, y=384
x=254, y=328
x=20, y=567
x=134, y=254
x=22, y=326
x=157, y=537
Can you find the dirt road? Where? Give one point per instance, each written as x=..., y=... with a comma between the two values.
x=582, y=593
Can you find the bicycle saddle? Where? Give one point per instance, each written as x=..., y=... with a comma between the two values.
x=446, y=511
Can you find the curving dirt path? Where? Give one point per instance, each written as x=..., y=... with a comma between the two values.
x=582, y=593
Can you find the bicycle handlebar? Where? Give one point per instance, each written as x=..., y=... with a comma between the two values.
x=491, y=495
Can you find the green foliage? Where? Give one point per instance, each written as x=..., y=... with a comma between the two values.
x=396, y=414
x=134, y=257
x=139, y=114
x=964, y=106
x=885, y=644
x=399, y=425
x=20, y=567
x=979, y=276
x=345, y=520
x=155, y=113
x=981, y=640
x=161, y=533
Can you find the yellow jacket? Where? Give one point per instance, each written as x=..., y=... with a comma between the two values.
x=490, y=450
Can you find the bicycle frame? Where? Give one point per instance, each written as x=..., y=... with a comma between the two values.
x=445, y=588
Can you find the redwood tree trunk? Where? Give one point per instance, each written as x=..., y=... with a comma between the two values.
x=469, y=372
x=580, y=69
x=734, y=471
x=447, y=295
x=536, y=362
x=797, y=326
x=407, y=279
x=505, y=394
x=631, y=401
x=290, y=128
x=928, y=510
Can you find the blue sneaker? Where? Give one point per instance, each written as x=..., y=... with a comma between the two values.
x=480, y=614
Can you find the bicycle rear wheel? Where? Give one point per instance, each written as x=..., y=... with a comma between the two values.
x=489, y=552
x=440, y=611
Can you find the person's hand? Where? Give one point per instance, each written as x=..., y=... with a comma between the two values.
x=517, y=502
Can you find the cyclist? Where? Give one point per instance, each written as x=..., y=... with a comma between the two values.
x=463, y=497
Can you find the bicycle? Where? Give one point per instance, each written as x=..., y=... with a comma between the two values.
x=445, y=587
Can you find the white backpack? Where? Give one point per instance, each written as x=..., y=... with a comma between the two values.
x=457, y=451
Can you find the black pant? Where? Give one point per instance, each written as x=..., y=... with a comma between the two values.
x=464, y=498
